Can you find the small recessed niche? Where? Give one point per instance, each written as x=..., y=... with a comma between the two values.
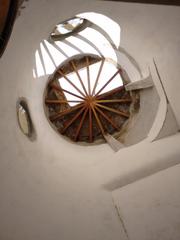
x=24, y=119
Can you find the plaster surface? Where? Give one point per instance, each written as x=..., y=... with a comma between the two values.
x=51, y=188
x=150, y=207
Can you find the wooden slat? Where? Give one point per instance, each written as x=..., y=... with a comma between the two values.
x=90, y=125
x=125, y=100
x=68, y=123
x=80, y=124
x=97, y=79
x=64, y=90
x=61, y=114
x=111, y=92
x=113, y=110
x=50, y=101
x=107, y=83
x=88, y=76
x=107, y=118
x=79, y=77
x=71, y=83
x=98, y=121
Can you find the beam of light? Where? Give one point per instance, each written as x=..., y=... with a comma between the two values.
x=70, y=51
x=39, y=66
x=57, y=56
x=96, y=38
x=34, y=73
x=84, y=46
x=49, y=66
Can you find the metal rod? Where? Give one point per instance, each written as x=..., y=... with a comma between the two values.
x=97, y=79
x=113, y=110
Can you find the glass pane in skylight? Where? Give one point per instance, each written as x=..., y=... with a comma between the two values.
x=68, y=26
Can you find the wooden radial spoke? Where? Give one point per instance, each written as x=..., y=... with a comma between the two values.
x=68, y=123
x=61, y=114
x=90, y=125
x=70, y=82
x=52, y=101
x=79, y=77
x=80, y=124
x=107, y=118
x=98, y=121
x=110, y=93
x=88, y=76
x=97, y=79
x=113, y=110
x=59, y=89
x=125, y=100
x=105, y=85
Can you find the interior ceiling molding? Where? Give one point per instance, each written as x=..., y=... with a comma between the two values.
x=162, y=2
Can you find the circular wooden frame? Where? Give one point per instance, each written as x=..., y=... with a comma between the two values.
x=95, y=113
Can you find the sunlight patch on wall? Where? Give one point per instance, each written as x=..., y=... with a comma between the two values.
x=108, y=25
x=34, y=74
x=70, y=51
x=89, y=40
x=57, y=56
x=39, y=67
x=49, y=66
x=98, y=40
x=84, y=45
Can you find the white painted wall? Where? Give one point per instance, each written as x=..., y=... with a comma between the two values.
x=49, y=188
x=150, y=208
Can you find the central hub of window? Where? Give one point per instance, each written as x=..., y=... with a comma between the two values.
x=85, y=98
x=90, y=101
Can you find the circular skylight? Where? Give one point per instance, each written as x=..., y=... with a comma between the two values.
x=86, y=99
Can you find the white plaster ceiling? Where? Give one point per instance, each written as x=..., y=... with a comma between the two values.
x=51, y=188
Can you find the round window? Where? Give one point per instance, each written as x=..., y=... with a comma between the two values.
x=85, y=98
